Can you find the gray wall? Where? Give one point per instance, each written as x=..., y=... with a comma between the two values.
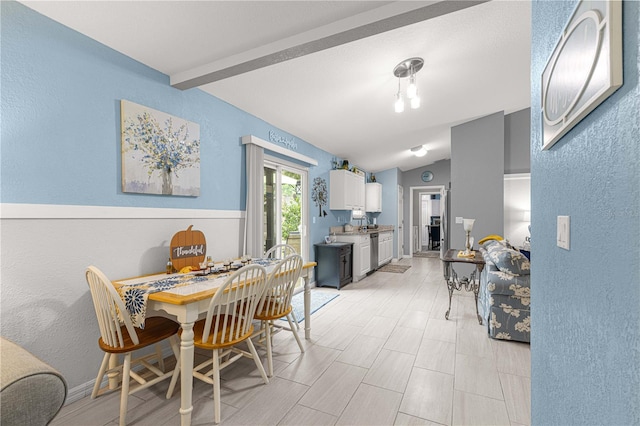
x=517, y=131
x=477, y=177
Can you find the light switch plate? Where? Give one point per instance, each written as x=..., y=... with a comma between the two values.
x=564, y=232
x=459, y=219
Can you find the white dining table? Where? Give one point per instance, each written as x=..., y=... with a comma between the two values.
x=185, y=304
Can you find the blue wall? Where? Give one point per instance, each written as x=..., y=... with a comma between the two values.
x=61, y=95
x=585, y=347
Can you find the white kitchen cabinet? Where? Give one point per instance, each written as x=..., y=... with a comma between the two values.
x=346, y=190
x=361, y=253
x=385, y=247
x=373, y=198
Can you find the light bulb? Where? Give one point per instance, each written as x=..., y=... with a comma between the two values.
x=399, y=105
x=415, y=102
x=412, y=89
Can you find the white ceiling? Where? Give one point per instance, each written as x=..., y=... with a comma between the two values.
x=341, y=98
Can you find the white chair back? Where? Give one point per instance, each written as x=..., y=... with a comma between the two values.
x=232, y=308
x=280, y=251
x=108, y=305
x=277, y=297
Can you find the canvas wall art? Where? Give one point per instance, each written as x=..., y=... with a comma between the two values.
x=160, y=152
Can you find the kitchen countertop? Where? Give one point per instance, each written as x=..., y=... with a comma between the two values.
x=339, y=230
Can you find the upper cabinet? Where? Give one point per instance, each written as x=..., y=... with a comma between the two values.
x=346, y=190
x=373, y=197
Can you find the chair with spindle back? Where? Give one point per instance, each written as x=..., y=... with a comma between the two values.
x=229, y=321
x=119, y=336
x=276, y=303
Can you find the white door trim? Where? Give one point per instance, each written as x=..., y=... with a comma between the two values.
x=436, y=189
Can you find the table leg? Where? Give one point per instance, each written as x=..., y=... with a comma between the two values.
x=307, y=307
x=476, y=290
x=186, y=371
x=450, y=288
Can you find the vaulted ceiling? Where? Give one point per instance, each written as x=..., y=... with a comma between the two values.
x=323, y=70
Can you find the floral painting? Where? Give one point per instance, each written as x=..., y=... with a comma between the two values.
x=160, y=152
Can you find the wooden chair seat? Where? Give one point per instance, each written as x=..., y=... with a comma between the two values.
x=273, y=310
x=223, y=335
x=155, y=330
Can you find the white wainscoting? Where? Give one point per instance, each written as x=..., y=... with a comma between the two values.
x=45, y=305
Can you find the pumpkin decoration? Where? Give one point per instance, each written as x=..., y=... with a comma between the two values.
x=188, y=248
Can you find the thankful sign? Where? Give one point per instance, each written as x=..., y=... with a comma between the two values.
x=188, y=248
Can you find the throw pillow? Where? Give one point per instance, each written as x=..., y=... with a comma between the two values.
x=510, y=261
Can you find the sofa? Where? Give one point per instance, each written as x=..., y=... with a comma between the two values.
x=504, y=298
x=31, y=392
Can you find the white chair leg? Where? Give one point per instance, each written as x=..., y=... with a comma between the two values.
x=269, y=349
x=124, y=395
x=160, y=358
x=103, y=369
x=256, y=359
x=295, y=334
x=293, y=315
x=175, y=346
x=216, y=386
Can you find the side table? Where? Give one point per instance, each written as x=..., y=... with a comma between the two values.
x=472, y=283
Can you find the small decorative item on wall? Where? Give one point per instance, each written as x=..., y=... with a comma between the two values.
x=584, y=69
x=427, y=176
x=319, y=194
x=160, y=152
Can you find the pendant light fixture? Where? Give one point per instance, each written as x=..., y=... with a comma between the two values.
x=399, y=105
x=408, y=68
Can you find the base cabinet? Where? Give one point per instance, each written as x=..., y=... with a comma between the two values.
x=385, y=247
x=334, y=264
x=361, y=254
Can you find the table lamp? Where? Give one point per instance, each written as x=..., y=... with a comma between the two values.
x=467, y=224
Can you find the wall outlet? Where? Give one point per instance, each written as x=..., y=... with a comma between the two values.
x=459, y=219
x=564, y=232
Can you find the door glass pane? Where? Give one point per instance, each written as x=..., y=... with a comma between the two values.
x=270, y=209
x=290, y=200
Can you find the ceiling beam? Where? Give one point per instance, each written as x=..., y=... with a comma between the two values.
x=376, y=21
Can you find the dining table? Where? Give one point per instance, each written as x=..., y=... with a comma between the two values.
x=186, y=302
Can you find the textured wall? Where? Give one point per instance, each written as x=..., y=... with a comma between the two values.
x=60, y=135
x=585, y=347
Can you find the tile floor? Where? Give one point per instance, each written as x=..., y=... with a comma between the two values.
x=381, y=353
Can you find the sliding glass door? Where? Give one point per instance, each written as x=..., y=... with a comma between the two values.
x=285, y=210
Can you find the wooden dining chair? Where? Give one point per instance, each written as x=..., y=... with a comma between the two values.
x=229, y=321
x=276, y=303
x=119, y=336
x=280, y=251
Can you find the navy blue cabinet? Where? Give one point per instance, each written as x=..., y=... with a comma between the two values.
x=334, y=264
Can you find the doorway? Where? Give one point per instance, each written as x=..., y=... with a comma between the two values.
x=285, y=209
x=427, y=210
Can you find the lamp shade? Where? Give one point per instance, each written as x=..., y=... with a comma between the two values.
x=526, y=216
x=467, y=224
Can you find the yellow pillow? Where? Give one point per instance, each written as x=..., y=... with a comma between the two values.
x=490, y=237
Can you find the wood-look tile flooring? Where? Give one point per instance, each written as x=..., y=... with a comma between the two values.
x=381, y=353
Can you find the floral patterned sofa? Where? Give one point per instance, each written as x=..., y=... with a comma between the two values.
x=504, y=299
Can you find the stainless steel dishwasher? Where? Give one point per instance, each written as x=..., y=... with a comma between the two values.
x=374, y=250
